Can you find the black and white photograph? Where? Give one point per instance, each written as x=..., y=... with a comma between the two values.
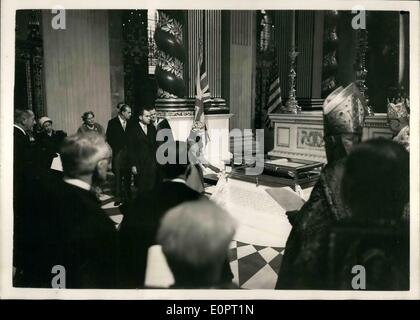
x=254, y=150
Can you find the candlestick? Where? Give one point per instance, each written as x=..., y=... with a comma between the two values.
x=292, y=105
x=361, y=69
x=293, y=44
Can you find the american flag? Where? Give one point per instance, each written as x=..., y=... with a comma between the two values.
x=274, y=93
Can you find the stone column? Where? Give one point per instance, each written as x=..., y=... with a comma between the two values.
x=192, y=25
x=171, y=54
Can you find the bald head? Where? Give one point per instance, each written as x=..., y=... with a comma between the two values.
x=195, y=238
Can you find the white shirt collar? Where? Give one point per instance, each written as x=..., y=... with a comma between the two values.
x=179, y=180
x=16, y=126
x=78, y=183
x=143, y=126
x=121, y=119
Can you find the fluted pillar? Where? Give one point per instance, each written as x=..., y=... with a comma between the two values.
x=204, y=25
x=207, y=26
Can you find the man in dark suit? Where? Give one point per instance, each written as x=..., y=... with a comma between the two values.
x=23, y=123
x=140, y=225
x=116, y=136
x=23, y=174
x=142, y=151
x=163, y=134
x=161, y=124
x=68, y=226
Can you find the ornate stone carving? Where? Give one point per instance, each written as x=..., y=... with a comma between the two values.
x=330, y=65
x=30, y=53
x=310, y=138
x=135, y=50
x=171, y=56
x=175, y=113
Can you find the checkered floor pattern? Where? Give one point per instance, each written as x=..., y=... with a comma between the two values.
x=255, y=267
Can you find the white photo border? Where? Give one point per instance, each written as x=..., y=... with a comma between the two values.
x=7, y=291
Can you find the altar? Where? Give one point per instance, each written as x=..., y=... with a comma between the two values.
x=301, y=136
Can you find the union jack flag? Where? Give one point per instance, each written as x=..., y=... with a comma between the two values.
x=202, y=96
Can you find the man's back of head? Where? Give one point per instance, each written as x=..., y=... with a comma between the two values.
x=195, y=238
x=81, y=154
x=376, y=182
x=173, y=156
x=24, y=118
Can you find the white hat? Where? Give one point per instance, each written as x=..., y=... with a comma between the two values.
x=42, y=120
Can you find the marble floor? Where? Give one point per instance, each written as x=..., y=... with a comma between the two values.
x=256, y=252
x=253, y=266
